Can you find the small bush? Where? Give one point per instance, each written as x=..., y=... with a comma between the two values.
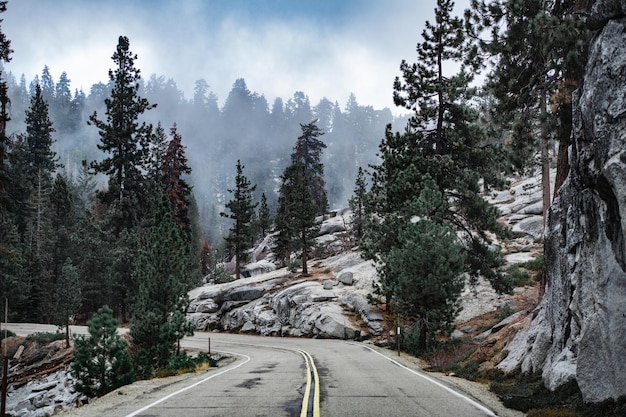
x=294, y=264
x=183, y=363
x=320, y=251
x=44, y=338
x=517, y=276
x=6, y=334
x=527, y=392
x=220, y=276
x=607, y=408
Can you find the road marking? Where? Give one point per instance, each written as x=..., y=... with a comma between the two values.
x=310, y=365
x=308, y=359
x=192, y=385
x=439, y=384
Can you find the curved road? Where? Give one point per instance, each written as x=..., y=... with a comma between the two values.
x=279, y=376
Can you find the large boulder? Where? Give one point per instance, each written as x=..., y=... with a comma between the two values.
x=579, y=328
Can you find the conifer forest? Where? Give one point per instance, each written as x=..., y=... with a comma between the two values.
x=127, y=194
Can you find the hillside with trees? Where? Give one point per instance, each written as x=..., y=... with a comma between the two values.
x=95, y=194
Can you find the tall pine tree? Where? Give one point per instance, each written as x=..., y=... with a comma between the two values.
x=240, y=236
x=538, y=50
x=296, y=212
x=160, y=272
x=443, y=140
x=308, y=153
x=125, y=140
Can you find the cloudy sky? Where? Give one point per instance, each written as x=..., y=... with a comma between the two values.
x=326, y=48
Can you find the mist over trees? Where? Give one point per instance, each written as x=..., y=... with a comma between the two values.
x=245, y=127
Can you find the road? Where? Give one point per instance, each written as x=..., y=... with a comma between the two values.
x=279, y=377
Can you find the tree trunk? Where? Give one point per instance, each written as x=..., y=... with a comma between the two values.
x=237, y=275
x=423, y=334
x=305, y=269
x=545, y=158
x=562, y=167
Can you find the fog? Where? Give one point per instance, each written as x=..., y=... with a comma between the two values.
x=237, y=78
x=326, y=48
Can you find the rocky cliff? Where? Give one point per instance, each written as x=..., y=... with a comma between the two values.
x=579, y=329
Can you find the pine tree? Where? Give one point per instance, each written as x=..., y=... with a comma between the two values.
x=67, y=298
x=5, y=56
x=11, y=261
x=264, y=217
x=295, y=216
x=41, y=159
x=427, y=266
x=443, y=140
x=101, y=360
x=308, y=153
x=62, y=218
x=357, y=205
x=160, y=272
x=124, y=139
x=95, y=263
x=174, y=170
x=539, y=52
x=241, y=212
x=47, y=85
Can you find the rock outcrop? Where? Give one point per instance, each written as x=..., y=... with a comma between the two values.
x=284, y=304
x=579, y=328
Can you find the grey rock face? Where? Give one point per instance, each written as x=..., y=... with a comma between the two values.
x=579, y=327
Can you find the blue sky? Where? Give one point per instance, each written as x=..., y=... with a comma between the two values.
x=326, y=48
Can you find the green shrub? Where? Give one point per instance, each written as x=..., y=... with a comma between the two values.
x=44, y=338
x=607, y=408
x=6, y=334
x=294, y=264
x=101, y=361
x=517, y=276
x=526, y=392
x=220, y=276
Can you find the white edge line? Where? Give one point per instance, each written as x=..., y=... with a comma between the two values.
x=439, y=384
x=134, y=413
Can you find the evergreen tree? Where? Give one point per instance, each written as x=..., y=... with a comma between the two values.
x=174, y=170
x=442, y=140
x=61, y=212
x=427, y=266
x=295, y=216
x=39, y=161
x=62, y=105
x=67, y=298
x=94, y=263
x=160, y=272
x=84, y=190
x=101, y=360
x=40, y=158
x=47, y=85
x=264, y=217
x=357, y=205
x=124, y=139
x=14, y=282
x=539, y=52
x=241, y=212
x=156, y=155
x=5, y=56
x=308, y=153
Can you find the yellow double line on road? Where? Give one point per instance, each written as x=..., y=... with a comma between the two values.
x=311, y=374
x=310, y=370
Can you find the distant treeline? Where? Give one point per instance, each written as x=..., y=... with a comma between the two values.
x=246, y=127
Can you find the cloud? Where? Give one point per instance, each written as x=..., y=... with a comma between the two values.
x=318, y=47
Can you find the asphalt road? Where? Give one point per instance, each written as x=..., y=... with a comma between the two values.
x=286, y=377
